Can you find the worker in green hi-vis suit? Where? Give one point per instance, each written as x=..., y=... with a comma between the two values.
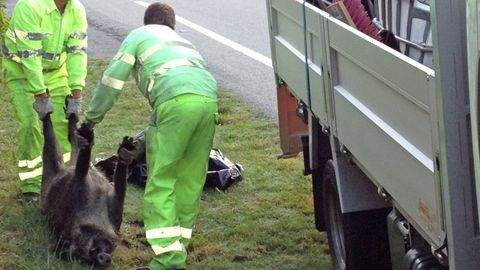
x=171, y=74
x=44, y=61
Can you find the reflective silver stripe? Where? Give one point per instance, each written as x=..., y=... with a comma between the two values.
x=66, y=157
x=125, y=57
x=174, y=63
x=162, y=45
x=112, y=82
x=27, y=175
x=11, y=34
x=170, y=64
x=51, y=56
x=29, y=53
x=76, y=49
x=30, y=163
x=10, y=55
x=78, y=35
x=165, y=232
x=13, y=57
x=151, y=83
x=28, y=35
x=186, y=233
x=176, y=246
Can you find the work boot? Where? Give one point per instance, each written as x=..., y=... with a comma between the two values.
x=30, y=197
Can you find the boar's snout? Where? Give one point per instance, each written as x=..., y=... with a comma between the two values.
x=104, y=259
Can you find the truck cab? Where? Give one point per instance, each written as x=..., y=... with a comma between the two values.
x=389, y=135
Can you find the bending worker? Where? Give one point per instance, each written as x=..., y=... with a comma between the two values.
x=171, y=74
x=44, y=61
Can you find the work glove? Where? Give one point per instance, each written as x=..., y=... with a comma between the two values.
x=74, y=106
x=43, y=106
x=127, y=154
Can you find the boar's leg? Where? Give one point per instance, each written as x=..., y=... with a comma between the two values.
x=120, y=182
x=72, y=136
x=85, y=143
x=52, y=159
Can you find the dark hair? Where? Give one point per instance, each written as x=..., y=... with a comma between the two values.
x=159, y=13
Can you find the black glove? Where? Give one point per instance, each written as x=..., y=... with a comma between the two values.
x=43, y=106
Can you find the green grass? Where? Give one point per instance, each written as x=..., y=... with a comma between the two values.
x=263, y=222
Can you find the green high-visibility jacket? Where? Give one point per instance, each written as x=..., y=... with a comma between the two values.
x=164, y=66
x=41, y=45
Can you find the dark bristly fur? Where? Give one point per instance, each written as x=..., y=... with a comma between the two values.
x=84, y=209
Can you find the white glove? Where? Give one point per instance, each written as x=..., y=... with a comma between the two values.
x=43, y=106
x=74, y=106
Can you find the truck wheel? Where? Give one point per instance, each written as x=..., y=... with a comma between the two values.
x=358, y=240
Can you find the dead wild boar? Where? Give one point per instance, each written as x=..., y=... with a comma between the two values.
x=83, y=208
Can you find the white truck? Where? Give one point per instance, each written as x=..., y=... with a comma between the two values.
x=391, y=138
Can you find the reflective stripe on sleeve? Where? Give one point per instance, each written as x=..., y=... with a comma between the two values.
x=176, y=246
x=13, y=34
x=29, y=53
x=112, y=82
x=51, y=56
x=125, y=57
x=30, y=163
x=162, y=45
x=28, y=35
x=76, y=49
x=186, y=233
x=165, y=232
x=12, y=56
x=175, y=63
x=78, y=35
x=27, y=175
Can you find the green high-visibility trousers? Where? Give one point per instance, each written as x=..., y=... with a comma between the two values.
x=29, y=132
x=178, y=144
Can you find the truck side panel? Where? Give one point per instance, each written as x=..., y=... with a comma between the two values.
x=288, y=49
x=383, y=116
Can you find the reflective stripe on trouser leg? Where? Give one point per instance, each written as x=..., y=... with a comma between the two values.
x=191, y=176
x=167, y=141
x=29, y=136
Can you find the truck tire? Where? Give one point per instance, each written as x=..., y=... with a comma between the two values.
x=358, y=240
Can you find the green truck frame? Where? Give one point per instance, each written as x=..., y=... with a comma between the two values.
x=392, y=144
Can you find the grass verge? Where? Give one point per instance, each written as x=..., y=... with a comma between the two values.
x=263, y=222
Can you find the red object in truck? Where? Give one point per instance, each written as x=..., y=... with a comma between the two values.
x=290, y=125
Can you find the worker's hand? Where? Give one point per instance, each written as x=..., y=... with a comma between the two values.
x=76, y=93
x=74, y=106
x=43, y=105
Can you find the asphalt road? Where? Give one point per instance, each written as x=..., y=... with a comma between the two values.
x=243, y=69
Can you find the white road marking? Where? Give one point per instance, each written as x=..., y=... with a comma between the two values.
x=225, y=41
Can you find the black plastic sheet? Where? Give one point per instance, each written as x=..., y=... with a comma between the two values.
x=222, y=173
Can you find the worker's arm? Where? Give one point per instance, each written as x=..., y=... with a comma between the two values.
x=76, y=47
x=25, y=34
x=111, y=85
